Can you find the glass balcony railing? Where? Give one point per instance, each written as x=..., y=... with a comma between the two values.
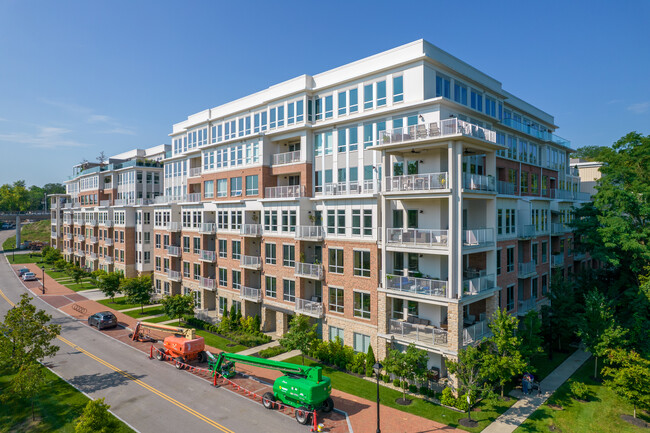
x=526, y=231
x=208, y=228
x=195, y=172
x=309, y=270
x=309, y=308
x=526, y=269
x=506, y=188
x=346, y=188
x=207, y=283
x=429, y=335
x=251, y=230
x=417, y=286
x=173, y=275
x=557, y=260
x=423, y=238
x=478, y=238
x=476, y=332
x=417, y=182
x=173, y=250
x=207, y=256
x=474, y=286
x=250, y=294
x=286, y=158
x=478, y=182
x=310, y=233
x=250, y=262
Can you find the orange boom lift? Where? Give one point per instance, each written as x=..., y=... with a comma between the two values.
x=184, y=346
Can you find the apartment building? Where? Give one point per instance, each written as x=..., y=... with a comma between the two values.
x=397, y=199
x=104, y=221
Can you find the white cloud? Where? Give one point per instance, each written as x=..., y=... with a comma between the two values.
x=88, y=115
x=639, y=107
x=44, y=138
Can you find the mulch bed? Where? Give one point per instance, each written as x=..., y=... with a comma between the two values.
x=555, y=407
x=403, y=401
x=468, y=422
x=635, y=421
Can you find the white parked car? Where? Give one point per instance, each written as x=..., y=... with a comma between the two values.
x=29, y=276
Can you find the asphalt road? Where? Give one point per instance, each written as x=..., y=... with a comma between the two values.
x=151, y=396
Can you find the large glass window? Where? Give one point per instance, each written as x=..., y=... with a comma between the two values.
x=208, y=189
x=289, y=290
x=251, y=185
x=367, y=96
x=362, y=263
x=381, y=93
x=336, y=260
x=270, y=256
x=398, y=89
x=235, y=186
x=329, y=106
x=336, y=303
x=270, y=287
x=288, y=255
x=354, y=101
x=362, y=305
x=443, y=86
x=222, y=187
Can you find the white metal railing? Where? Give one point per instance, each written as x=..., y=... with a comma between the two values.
x=526, y=231
x=426, y=334
x=162, y=199
x=80, y=222
x=207, y=283
x=81, y=238
x=91, y=222
x=79, y=253
x=309, y=270
x=53, y=234
x=68, y=236
x=173, y=226
x=253, y=262
x=208, y=228
x=194, y=197
x=108, y=241
x=474, y=286
x=478, y=182
x=417, y=237
x=195, y=172
x=526, y=305
x=506, y=188
x=559, y=228
x=557, y=260
x=68, y=250
x=104, y=203
x=289, y=191
x=250, y=293
x=92, y=256
x=476, y=332
x=418, y=286
x=314, y=233
x=92, y=240
x=526, y=268
x=207, y=256
x=447, y=127
x=107, y=223
x=67, y=221
x=107, y=259
x=173, y=275
x=286, y=157
x=108, y=185
x=143, y=201
x=478, y=237
x=561, y=194
x=417, y=182
x=347, y=188
x=309, y=308
x=173, y=250
x=251, y=230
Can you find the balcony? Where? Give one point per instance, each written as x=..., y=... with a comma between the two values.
x=104, y=203
x=429, y=335
x=108, y=242
x=173, y=227
x=579, y=255
x=208, y=283
x=290, y=191
x=417, y=286
x=67, y=221
x=417, y=182
x=173, y=275
x=478, y=238
x=582, y=196
x=424, y=132
x=193, y=197
x=91, y=240
x=525, y=305
x=251, y=230
x=69, y=251
x=557, y=260
x=310, y=233
x=69, y=236
x=195, y=172
x=506, y=188
x=250, y=262
x=560, y=194
x=53, y=234
x=106, y=223
x=476, y=332
x=108, y=185
x=309, y=270
x=558, y=229
x=420, y=238
x=527, y=269
x=286, y=158
x=81, y=238
x=346, y=188
x=91, y=223
x=250, y=294
x=173, y=250
x=526, y=231
x=91, y=256
x=208, y=228
x=79, y=253
x=474, y=286
x=107, y=259
x=309, y=308
x=207, y=256
x=80, y=222
x=478, y=182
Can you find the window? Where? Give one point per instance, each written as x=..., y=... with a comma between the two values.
x=398, y=89
x=208, y=189
x=534, y=252
x=236, y=279
x=362, y=305
x=336, y=299
x=353, y=138
x=236, y=250
x=499, y=262
x=381, y=93
x=544, y=284
x=511, y=298
x=534, y=184
x=524, y=182
x=510, y=264
x=270, y=284
x=318, y=144
x=342, y=103
x=222, y=187
x=288, y=255
x=476, y=100
x=271, y=221
x=340, y=221
x=361, y=343
x=533, y=288
x=186, y=269
x=235, y=186
x=251, y=185
x=342, y=145
x=329, y=106
x=197, y=245
x=289, y=290
x=335, y=333
x=356, y=221
x=367, y=96
x=328, y=142
x=362, y=263
x=223, y=277
x=223, y=304
x=270, y=253
x=499, y=221
x=354, y=101
x=197, y=271
x=544, y=251
x=331, y=221
x=336, y=257
x=443, y=86
x=223, y=248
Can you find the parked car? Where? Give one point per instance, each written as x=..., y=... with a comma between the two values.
x=29, y=276
x=103, y=320
x=22, y=271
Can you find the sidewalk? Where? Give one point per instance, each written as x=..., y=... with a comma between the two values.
x=522, y=409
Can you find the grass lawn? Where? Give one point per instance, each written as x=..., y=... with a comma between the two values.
x=219, y=342
x=38, y=231
x=545, y=366
x=162, y=318
x=119, y=304
x=84, y=285
x=57, y=408
x=600, y=414
x=368, y=390
x=148, y=311
x=23, y=258
x=56, y=274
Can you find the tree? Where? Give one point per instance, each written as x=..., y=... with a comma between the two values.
x=531, y=336
x=406, y=365
x=629, y=376
x=138, y=290
x=178, y=305
x=26, y=384
x=76, y=273
x=301, y=335
x=61, y=264
x=470, y=369
x=102, y=158
x=51, y=256
x=597, y=328
x=563, y=310
x=96, y=418
x=108, y=282
x=370, y=361
x=504, y=356
x=26, y=335
x=589, y=153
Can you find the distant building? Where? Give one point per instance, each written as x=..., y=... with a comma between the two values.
x=589, y=172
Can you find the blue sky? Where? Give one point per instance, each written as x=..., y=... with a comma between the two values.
x=80, y=77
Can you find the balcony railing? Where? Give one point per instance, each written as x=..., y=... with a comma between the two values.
x=290, y=191
x=579, y=255
x=108, y=242
x=253, y=230
x=107, y=259
x=69, y=251
x=476, y=332
x=423, y=238
x=478, y=182
x=53, y=234
x=79, y=253
x=478, y=238
x=506, y=188
x=582, y=196
x=104, y=203
x=208, y=228
x=91, y=223
x=250, y=294
x=69, y=236
x=309, y=308
x=561, y=194
x=108, y=185
x=207, y=256
x=417, y=182
x=447, y=127
x=107, y=223
x=526, y=269
x=250, y=262
x=474, y=286
x=428, y=335
x=286, y=158
x=557, y=260
x=309, y=270
x=347, y=188
x=417, y=286
x=173, y=250
x=207, y=283
x=162, y=199
x=195, y=172
x=525, y=305
x=309, y=233
x=81, y=238
x=526, y=231
x=173, y=275
x=92, y=256
x=173, y=226
x=559, y=228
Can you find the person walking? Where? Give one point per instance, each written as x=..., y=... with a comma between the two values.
x=524, y=384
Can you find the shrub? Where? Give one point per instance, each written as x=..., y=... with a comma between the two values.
x=431, y=393
x=405, y=384
x=396, y=382
x=386, y=378
x=413, y=389
x=424, y=390
x=447, y=397
x=461, y=403
x=370, y=361
x=272, y=351
x=358, y=363
x=579, y=390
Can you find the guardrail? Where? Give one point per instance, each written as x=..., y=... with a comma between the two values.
x=418, y=286
x=417, y=182
x=417, y=237
x=309, y=308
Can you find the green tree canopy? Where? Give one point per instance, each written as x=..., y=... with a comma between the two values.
x=628, y=376
x=504, y=357
x=96, y=418
x=178, y=305
x=301, y=335
x=26, y=384
x=531, y=336
x=410, y=364
x=472, y=371
x=589, y=153
x=108, y=282
x=138, y=290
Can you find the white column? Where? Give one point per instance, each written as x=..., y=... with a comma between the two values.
x=455, y=152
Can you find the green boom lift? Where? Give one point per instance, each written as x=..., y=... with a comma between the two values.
x=301, y=387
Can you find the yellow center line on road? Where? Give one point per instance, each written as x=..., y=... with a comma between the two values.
x=138, y=381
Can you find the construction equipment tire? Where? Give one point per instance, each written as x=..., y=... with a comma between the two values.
x=179, y=363
x=328, y=405
x=268, y=399
x=302, y=415
x=202, y=357
x=160, y=356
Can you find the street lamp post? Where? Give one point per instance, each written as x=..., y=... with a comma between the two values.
x=43, y=282
x=377, y=368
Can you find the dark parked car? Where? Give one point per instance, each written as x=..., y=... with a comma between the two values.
x=22, y=271
x=102, y=320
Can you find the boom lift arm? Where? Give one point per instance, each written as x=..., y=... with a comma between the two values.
x=223, y=367
x=137, y=335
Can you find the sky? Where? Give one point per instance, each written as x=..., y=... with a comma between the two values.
x=81, y=77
